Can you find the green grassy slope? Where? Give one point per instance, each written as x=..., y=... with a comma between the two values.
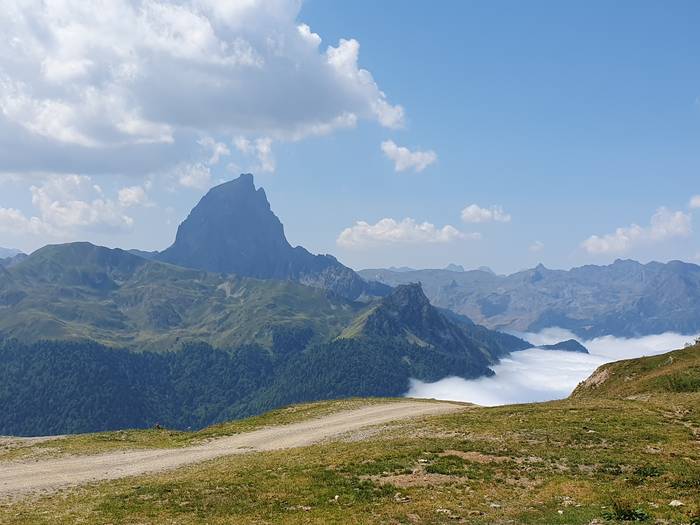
x=673, y=372
x=80, y=291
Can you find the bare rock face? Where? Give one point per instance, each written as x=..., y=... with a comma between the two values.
x=233, y=230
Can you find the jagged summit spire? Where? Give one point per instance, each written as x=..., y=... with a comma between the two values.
x=236, y=190
x=245, y=182
x=234, y=230
x=408, y=294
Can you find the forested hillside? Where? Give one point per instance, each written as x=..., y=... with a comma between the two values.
x=58, y=387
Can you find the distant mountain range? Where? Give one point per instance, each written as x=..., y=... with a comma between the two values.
x=228, y=321
x=624, y=299
x=231, y=320
x=8, y=252
x=7, y=262
x=450, y=268
x=10, y=257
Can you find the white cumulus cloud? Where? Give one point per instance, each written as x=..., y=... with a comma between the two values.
x=128, y=85
x=192, y=175
x=390, y=231
x=261, y=149
x=13, y=221
x=475, y=214
x=67, y=204
x=405, y=159
x=133, y=196
x=694, y=202
x=665, y=224
x=216, y=149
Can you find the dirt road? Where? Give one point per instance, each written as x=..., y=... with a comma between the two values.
x=17, y=479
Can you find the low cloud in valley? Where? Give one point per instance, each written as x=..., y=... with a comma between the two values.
x=542, y=375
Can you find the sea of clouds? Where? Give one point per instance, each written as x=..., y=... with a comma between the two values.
x=543, y=375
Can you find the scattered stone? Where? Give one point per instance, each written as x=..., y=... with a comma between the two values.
x=676, y=503
x=567, y=501
x=400, y=498
x=447, y=512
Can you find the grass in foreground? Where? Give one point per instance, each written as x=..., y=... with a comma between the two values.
x=581, y=461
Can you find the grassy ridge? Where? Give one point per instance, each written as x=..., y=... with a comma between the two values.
x=83, y=292
x=673, y=372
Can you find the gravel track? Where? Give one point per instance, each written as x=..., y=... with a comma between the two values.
x=23, y=478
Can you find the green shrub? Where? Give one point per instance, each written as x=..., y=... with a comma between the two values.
x=624, y=510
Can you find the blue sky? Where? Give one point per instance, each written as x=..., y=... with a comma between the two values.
x=555, y=122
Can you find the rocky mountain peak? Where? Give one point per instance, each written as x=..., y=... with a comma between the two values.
x=234, y=230
x=407, y=296
x=407, y=308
